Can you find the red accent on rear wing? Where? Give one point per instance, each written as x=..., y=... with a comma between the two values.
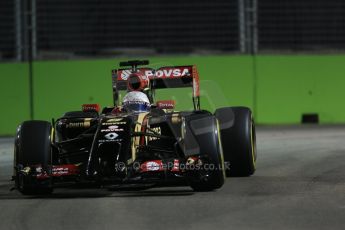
x=164, y=77
x=91, y=107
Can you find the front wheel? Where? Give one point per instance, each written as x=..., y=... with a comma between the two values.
x=32, y=148
x=211, y=174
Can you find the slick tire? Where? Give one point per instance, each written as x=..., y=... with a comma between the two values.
x=238, y=140
x=206, y=133
x=33, y=147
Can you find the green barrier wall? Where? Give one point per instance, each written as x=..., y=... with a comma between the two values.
x=289, y=86
x=14, y=96
x=278, y=88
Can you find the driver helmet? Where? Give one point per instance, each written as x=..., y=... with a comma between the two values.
x=136, y=102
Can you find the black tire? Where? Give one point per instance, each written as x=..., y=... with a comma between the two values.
x=33, y=147
x=238, y=140
x=206, y=132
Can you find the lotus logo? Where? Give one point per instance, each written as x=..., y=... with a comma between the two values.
x=111, y=136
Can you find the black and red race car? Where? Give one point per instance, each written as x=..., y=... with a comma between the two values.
x=122, y=147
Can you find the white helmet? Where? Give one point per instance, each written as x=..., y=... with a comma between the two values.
x=136, y=102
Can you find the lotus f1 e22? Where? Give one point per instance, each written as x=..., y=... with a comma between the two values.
x=137, y=141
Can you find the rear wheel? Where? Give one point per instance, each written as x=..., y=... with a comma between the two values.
x=211, y=174
x=32, y=148
x=238, y=139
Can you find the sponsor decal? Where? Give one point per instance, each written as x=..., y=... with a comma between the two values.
x=115, y=123
x=85, y=124
x=152, y=166
x=112, y=128
x=106, y=141
x=168, y=104
x=58, y=171
x=172, y=73
x=111, y=136
x=132, y=101
x=65, y=170
x=155, y=130
x=90, y=107
x=158, y=166
x=115, y=119
x=165, y=105
x=75, y=125
x=161, y=73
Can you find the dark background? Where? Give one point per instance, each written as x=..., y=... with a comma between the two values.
x=94, y=27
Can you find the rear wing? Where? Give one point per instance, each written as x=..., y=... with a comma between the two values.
x=164, y=77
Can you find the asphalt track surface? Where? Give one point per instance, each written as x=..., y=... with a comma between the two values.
x=299, y=184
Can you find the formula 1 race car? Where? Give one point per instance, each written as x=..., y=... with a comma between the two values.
x=137, y=141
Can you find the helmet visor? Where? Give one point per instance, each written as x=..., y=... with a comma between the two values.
x=136, y=106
